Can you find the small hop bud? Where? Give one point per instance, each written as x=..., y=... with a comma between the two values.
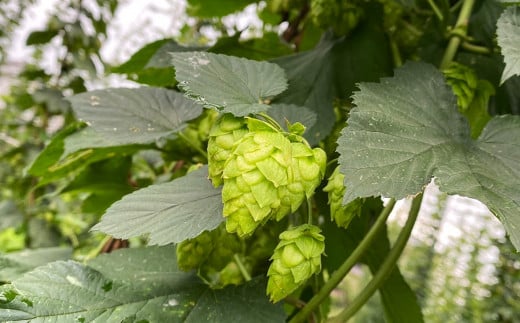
x=296, y=258
x=192, y=253
x=341, y=214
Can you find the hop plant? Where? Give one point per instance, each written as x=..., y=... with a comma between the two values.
x=340, y=15
x=268, y=176
x=463, y=82
x=296, y=258
x=341, y=214
x=225, y=132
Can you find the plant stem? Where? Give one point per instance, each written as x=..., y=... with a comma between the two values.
x=242, y=268
x=194, y=145
x=462, y=24
x=436, y=9
x=475, y=48
x=309, y=211
x=342, y=271
x=386, y=268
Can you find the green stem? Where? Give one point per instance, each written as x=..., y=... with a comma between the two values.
x=194, y=145
x=462, y=24
x=475, y=48
x=242, y=268
x=271, y=121
x=396, y=54
x=386, y=268
x=342, y=271
x=436, y=9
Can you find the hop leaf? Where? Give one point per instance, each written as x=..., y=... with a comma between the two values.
x=223, y=135
x=295, y=259
x=341, y=214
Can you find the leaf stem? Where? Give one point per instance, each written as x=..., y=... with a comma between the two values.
x=436, y=9
x=343, y=270
x=194, y=145
x=242, y=268
x=462, y=25
x=476, y=48
x=386, y=268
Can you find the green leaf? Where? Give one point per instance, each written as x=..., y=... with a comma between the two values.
x=508, y=37
x=105, y=182
x=210, y=8
x=41, y=37
x=13, y=265
x=151, y=64
x=72, y=150
x=231, y=84
x=407, y=129
x=267, y=47
x=332, y=70
x=134, y=116
x=169, y=212
x=132, y=285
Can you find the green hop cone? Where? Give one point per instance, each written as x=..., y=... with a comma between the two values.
x=463, y=82
x=341, y=214
x=257, y=168
x=222, y=136
x=296, y=258
x=340, y=15
x=268, y=175
x=192, y=253
x=306, y=172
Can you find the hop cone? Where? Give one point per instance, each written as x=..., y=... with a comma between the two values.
x=223, y=135
x=341, y=214
x=295, y=259
x=306, y=172
x=268, y=176
x=340, y=15
x=257, y=168
x=192, y=253
x=463, y=82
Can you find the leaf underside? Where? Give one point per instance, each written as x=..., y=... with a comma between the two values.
x=167, y=213
x=508, y=37
x=407, y=130
x=231, y=84
x=134, y=116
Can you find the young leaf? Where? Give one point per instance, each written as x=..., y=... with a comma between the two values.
x=508, y=37
x=134, y=116
x=407, y=129
x=231, y=84
x=169, y=212
x=118, y=288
